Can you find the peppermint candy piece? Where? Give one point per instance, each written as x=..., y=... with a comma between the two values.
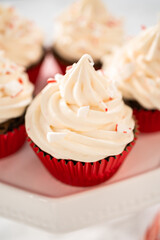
x=55, y=136
x=13, y=88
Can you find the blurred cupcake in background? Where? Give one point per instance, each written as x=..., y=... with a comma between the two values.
x=15, y=95
x=136, y=68
x=86, y=27
x=21, y=40
x=80, y=127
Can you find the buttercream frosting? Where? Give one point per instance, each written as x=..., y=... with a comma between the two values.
x=87, y=27
x=136, y=68
x=15, y=90
x=81, y=116
x=19, y=38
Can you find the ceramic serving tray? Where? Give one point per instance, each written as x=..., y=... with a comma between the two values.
x=29, y=194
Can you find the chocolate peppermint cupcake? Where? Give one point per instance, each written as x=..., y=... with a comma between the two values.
x=15, y=95
x=136, y=68
x=80, y=127
x=21, y=40
x=86, y=27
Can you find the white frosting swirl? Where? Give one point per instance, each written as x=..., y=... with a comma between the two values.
x=136, y=67
x=15, y=90
x=87, y=27
x=81, y=116
x=19, y=38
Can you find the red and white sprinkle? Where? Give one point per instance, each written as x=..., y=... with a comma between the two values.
x=13, y=89
x=51, y=80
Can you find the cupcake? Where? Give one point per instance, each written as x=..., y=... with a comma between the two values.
x=21, y=40
x=15, y=95
x=136, y=68
x=79, y=126
x=86, y=27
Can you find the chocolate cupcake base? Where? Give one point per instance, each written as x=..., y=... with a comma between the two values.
x=63, y=63
x=11, y=124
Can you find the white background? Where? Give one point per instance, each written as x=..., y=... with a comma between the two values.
x=44, y=12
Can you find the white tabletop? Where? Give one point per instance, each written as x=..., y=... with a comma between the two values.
x=135, y=13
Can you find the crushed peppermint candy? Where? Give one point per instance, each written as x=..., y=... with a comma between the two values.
x=69, y=68
x=20, y=80
x=51, y=80
x=122, y=128
x=55, y=136
x=13, y=88
x=58, y=77
x=103, y=105
x=110, y=99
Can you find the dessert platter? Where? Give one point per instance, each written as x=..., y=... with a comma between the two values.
x=29, y=194
x=82, y=124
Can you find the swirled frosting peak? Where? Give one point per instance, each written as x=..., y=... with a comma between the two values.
x=19, y=38
x=15, y=90
x=87, y=27
x=80, y=116
x=136, y=67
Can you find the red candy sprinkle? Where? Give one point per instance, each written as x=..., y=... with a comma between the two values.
x=143, y=27
x=51, y=80
x=124, y=131
x=116, y=128
x=106, y=109
x=110, y=98
x=20, y=81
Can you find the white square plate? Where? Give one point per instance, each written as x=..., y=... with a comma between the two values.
x=28, y=193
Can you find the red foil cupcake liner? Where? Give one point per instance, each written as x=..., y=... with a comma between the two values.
x=148, y=120
x=82, y=174
x=12, y=141
x=33, y=72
